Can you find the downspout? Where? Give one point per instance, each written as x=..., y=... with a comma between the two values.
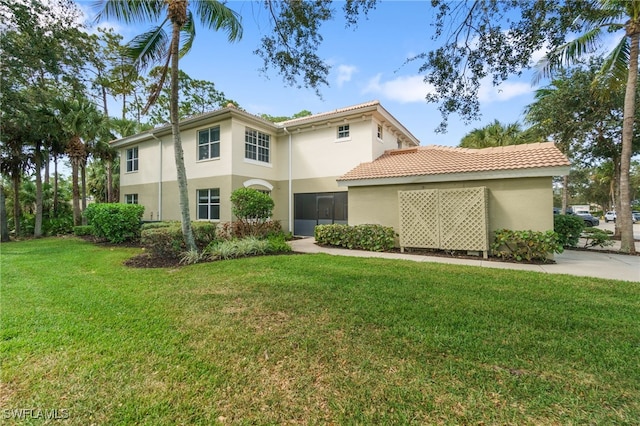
x=290, y=193
x=159, y=178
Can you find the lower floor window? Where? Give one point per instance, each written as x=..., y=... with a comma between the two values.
x=209, y=204
x=131, y=198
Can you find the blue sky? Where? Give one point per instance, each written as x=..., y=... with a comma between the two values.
x=367, y=63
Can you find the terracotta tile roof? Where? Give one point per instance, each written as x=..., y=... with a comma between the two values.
x=437, y=160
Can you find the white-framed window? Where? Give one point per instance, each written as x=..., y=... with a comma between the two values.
x=256, y=145
x=131, y=198
x=209, y=143
x=343, y=131
x=380, y=131
x=132, y=159
x=209, y=204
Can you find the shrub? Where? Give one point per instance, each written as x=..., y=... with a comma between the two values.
x=525, y=245
x=83, y=230
x=250, y=204
x=568, y=228
x=58, y=225
x=167, y=240
x=363, y=237
x=239, y=229
x=153, y=225
x=597, y=237
x=115, y=222
x=253, y=209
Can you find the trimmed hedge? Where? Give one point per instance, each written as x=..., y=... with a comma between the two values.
x=82, y=230
x=166, y=240
x=525, y=245
x=115, y=222
x=361, y=237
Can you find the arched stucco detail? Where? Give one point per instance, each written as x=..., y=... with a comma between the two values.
x=259, y=182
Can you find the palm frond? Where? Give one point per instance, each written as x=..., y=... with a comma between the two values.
x=149, y=47
x=615, y=68
x=187, y=35
x=567, y=54
x=217, y=16
x=129, y=11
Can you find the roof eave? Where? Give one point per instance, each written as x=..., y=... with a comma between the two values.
x=458, y=177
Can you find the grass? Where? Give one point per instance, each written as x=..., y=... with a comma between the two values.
x=310, y=339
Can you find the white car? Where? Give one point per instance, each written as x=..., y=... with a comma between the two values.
x=610, y=217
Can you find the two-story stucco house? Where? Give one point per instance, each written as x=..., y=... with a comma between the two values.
x=297, y=161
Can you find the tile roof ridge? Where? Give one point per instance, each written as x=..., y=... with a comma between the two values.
x=327, y=113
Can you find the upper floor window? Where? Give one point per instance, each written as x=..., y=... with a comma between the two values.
x=209, y=204
x=131, y=198
x=256, y=145
x=132, y=159
x=379, y=131
x=209, y=143
x=343, y=131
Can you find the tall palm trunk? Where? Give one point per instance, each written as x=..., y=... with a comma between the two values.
x=83, y=176
x=177, y=23
x=15, y=180
x=4, y=228
x=626, y=224
x=109, y=166
x=37, y=229
x=55, y=185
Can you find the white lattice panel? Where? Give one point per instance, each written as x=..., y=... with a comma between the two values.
x=419, y=219
x=464, y=223
x=449, y=219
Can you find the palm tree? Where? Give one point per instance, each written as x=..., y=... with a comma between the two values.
x=497, y=134
x=81, y=121
x=605, y=17
x=152, y=46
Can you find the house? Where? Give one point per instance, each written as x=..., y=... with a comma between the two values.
x=455, y=198
x=297, y=162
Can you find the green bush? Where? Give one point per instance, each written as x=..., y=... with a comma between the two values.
x=362, y=237
x=168, y=241
x=568, y=228
x=153, y=225
x=597, y=237
x=62, y=225
x=250, y=204
x=240, y=229
x=525, y=245
x=115, y=222
x=83, y=230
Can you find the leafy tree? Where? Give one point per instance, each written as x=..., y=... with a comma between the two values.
x=195, y=97
x=279, y=119
x=620, y=69
x=156, y=45
x=584, y=126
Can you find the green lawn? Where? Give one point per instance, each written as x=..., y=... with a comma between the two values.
x=310, y=339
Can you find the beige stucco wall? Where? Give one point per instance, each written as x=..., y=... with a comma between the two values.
x=517, y=204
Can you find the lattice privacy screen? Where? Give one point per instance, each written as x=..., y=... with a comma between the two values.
x=450, y=219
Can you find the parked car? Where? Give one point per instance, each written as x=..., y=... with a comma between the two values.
x=589, y=219
x=610, y=217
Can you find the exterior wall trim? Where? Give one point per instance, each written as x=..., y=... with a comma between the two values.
x=457, y=177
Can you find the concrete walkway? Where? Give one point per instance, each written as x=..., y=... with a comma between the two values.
x=572, y=262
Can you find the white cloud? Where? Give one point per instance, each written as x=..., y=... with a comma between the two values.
x=506, y=91
x=405, y=89
x=345, y=72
